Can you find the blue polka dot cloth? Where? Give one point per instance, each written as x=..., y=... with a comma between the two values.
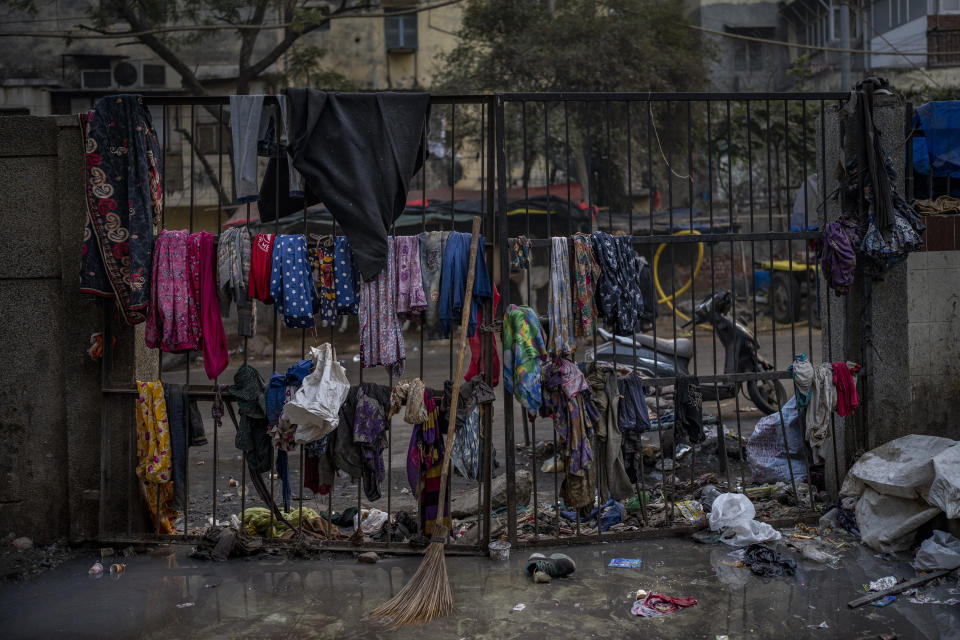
x=346, y=277
x=291, y=281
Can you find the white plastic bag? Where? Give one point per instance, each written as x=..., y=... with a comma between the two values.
x=889, y=524
x=939, y=551
x=903, y=467
x=729, y=509
x=945, y=489
x=747, y=532
x=315, y=407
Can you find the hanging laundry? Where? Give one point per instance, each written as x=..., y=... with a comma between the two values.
x=381, y=338
x=154, y=469
x=257, y=131
x=476, y=366
x=321, y=257
x=186, y=430
x=843, y=382
x=822, y=400
x=411, y=298
x=837, y=254
x=525, y=351
x=282, y=466
x=261, y=267
x=614, y=481
x=173, y=321
x=802, y=372
x=233, y=274
x=424, y=463
x=315, y=407
x=281, y=390
x=370, y=434
x=519, y=254
x=346, y=277
x=585, y=276
x=689, y=408
x=291, y=282
x=619, y=297
x=432, y=244
x=409, y=393
x=252, y=437
x=216, y=356
x=566, y=399
x=561, y=339
x=124, y=200
x=633, y=412
x=357, y=153
x=453, y=282
x=466, y=455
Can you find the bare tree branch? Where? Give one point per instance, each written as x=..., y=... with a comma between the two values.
x=211, y=174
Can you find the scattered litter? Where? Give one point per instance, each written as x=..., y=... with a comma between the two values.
x=552, y=465
x=184, y=605
x=625, y=563
x=655, y=605
x=881, y=583
x=812, y=552
x=128, y=552
x=200, y=462
x=939, y=551
x=721, y=637
x=96, y=570
x=691, y=510
x=541, y=577
x=888, y=636
x=233, y=483
x=404, y=491
x=822, y=625
x=882, y=602
x=22, y=543
x=764, y=561
x=370, y=557
x=117, y=569
x=213, y=585
x=641, y=594
x=519, y=607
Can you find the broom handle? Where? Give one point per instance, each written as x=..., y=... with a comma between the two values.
x=457, y=377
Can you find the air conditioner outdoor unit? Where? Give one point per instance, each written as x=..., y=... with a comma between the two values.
x=125, y=74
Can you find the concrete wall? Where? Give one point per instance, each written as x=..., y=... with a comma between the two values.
x=50, y=400
x=902, y=328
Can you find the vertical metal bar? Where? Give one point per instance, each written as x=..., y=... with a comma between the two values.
x=186, y=494
x=733, y=282
x=216, y=434
x=786, y=153
x=509, y=441
x=501, y=239
x=453, y=162
x=806, y=226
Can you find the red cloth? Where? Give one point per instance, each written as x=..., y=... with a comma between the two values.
x=657, y=604
x=476, y=366
x=847, y=398
x=261, y=266
x=216, y=357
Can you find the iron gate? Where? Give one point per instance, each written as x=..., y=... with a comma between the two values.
x=702, y=183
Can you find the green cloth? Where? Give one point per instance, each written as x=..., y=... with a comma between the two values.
x=256, y=520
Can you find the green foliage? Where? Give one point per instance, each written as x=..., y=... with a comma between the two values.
x=304, y=70
x=618, y=45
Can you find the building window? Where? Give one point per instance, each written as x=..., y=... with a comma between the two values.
x=748, y=55
x=949, y=6
x=207, y=141
x=400, y=32
x=172, y=172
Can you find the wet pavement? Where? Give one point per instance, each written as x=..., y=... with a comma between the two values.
x=274, y=597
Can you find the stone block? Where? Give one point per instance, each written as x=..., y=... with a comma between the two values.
x=30, y=243
x=28, y=136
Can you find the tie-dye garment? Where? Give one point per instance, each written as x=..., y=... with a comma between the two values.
x=567, y=399
x=154, y=461
x=561, y=333
x=525, y=350
x=586, y=272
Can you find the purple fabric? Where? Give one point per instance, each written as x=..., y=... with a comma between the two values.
x=411, y=298
x=837, y=255
x=566, y=398
x=369, y=429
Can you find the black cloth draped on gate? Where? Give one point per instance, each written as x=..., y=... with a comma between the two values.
x=357, y=153
x=124, y=194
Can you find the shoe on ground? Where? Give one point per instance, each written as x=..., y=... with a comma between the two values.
x=558, y=565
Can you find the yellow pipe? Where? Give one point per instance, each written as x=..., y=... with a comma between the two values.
x=664, y=298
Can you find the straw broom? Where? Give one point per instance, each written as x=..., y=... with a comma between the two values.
x=428, y=594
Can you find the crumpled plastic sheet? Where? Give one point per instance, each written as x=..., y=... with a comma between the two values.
x=766, y=562
x=939, y=551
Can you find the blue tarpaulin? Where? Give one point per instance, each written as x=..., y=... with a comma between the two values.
x=939, y=145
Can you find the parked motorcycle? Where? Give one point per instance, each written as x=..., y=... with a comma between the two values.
x=665, y=357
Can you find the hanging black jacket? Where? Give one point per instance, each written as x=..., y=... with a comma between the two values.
x=357, y=153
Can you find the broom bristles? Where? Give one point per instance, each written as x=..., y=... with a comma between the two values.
x=426, y=596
